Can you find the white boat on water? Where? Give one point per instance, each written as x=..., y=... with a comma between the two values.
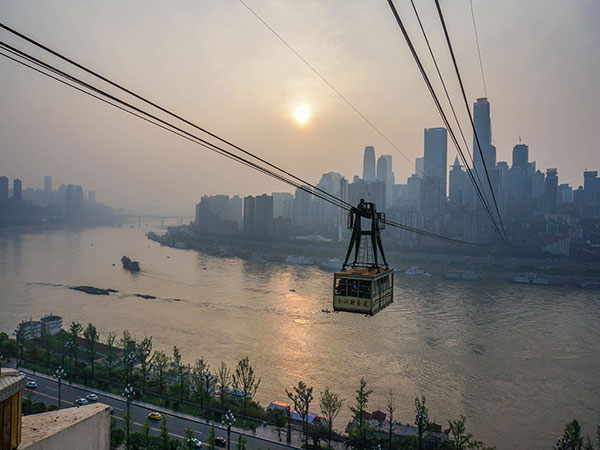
x=416, y=271
x=331, y=264
x=302, y=260
x=531, y=278
x=460, y=275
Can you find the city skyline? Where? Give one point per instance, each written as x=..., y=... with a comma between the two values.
x=255, y=107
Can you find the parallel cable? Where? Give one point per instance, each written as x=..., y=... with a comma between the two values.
x=478, y=47
x=340, y=95
x=462, y=88
x=440, y=109
x=137, y=112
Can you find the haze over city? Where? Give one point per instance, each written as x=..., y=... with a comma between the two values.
x=215, y=63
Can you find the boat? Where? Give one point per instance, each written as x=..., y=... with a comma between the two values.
x=470, y=276
x=453, y=274
x=302, y=260
x=331, y=264
x=326, y=310
x=414, y=270
x=129, y=264
x=531, y=278
x=590, y=284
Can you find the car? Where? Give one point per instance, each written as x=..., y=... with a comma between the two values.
x=81, y=401
x=21, y=373
x=195, y=443
x=220, y=441
x=154, y=415
x=92, y=397
x=32, y=384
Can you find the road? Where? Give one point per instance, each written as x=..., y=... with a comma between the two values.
x=47, y=392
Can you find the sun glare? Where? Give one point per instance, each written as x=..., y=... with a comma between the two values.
x=301, y=114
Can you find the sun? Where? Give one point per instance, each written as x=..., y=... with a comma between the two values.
x=301, y=114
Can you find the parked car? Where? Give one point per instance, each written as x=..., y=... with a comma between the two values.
x=32, y=384
x=154, y=415
x=220, y=441
x=81, y=401
x=195, y=443
x=92, y=397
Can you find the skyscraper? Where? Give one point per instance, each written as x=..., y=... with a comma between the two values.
x=249, y=214
x=17, y=190
x=3, y=189
x=435, y=156
x=551, y=189
x=520, y=157
x=385, y=174
x=456, y=185
x=483, y=133
x=47, y=185
x=264, y=215
x=369, y=164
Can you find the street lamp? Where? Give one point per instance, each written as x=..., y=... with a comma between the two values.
x=288, y=436
x=129, y=392
x=230, y=418
x=59, y=375
x=207, y=378
x=129, y=361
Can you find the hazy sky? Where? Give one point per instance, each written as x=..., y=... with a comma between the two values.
x=215, y=63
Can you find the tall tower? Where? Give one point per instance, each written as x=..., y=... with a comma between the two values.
x=483, y=128
x=369, y=164
x=17, y=189
x=520, y=157
x=385, y=174
x=456, y=185
x=3, y=189
x=436, y=156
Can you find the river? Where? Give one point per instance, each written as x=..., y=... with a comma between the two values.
x=518, y=361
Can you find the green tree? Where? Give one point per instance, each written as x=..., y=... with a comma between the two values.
x=244, y=381
x=572, y=435
x=110, y=353
x=91, y=339
x=362, y=399
x=75, y=330
x=189, y=435
x=421, y=419
x=117, y=435
x=127, y=345
x=212, y=437
x=223, y=379
x=164, y=440
x=161, y=364
x=390, y=408
x=47, y=340
x=241, y=443
x=330, y=404
x=180, y=370
x=146, y=437
x=128, y=418
x=588, y=444
x=143, y=354
x=301, y=398
x=200, y=367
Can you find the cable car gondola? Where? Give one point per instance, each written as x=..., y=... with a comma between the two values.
x=364, y=286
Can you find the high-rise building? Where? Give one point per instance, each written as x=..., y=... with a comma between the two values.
x=249, y=215
x=369, y=164
x=92, y=196
x=435, y=157
x=264, y=215
x=565, y=193
x=303, y=207
x=591, y=186
x=17, y=190
x=47, y=185
x=3, y=189
x=551, y=189
x=520, y=156
x=456, y=185
x=537, y=184
x=385, y=175
x=482, y=138
x=282, y=204
x=235, y=210
x=420, y=166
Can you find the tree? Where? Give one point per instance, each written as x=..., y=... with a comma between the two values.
x=223, y=378
x=189, y=435
x=117, y=435
x=91, y=339
x=161, y=363
x=421, y=418
x=110, y=353
x=180, y=371
x=127, y=345
x=390, y=408
x=47, y=340
x=143, y=352
x=572, y=435
x=301, y=398
x=212, y=438
x=74, y=331
x=241, y=442
x=244, y=380
x=128, y=418
x=362, y=398
x=588, y=443
x=198, y=371
x=146, y=437
x=164, y=440
x=460, y=436
x=331, y=405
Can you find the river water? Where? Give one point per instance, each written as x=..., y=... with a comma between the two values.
x=518, y=361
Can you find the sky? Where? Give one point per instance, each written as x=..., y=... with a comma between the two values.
x=216, y=64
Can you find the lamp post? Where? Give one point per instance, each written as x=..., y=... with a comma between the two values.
x=230, y=418
x=288, y=436
x=128, y=394
x=307, y=397
x=59, y=375
x=129, y=362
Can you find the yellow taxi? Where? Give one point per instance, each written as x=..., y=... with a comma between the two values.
x=154, y=415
